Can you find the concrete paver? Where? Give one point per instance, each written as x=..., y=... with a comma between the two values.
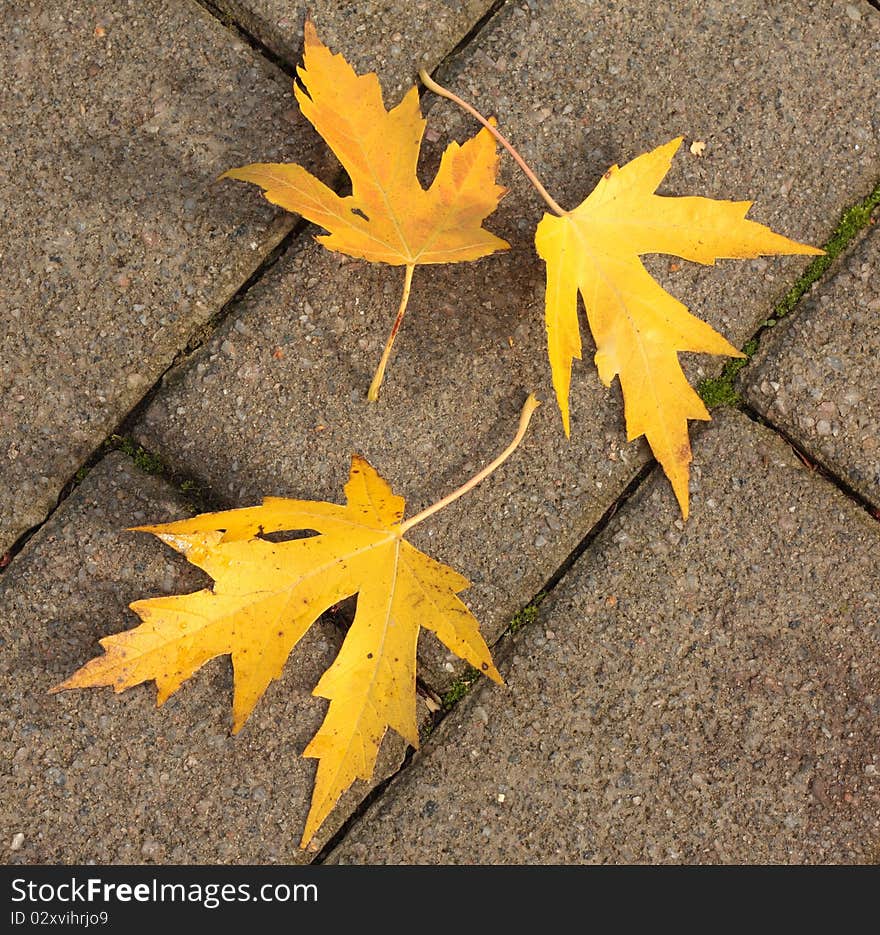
x=92, y=776
x=116, y=246
x=698, y=695
x=394, y=39
x=700, y=692
x=255, y=423
x=579, y=86
x=274, y=403
x=816, y=376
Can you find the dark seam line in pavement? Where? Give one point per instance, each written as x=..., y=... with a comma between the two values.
x=854, y=220
x=230, y=23
x=203, y=333
x=502, y=645
x=118, y=439
x=501, y=651
x=146, y=461
x=814, y=273
x=464, y=42
x=597, y=529
x=814, y=465
x=375, y=793
x=199, y=336
x=289, y=68
x=422, y=687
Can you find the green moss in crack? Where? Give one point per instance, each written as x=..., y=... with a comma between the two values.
x=460, y=687
x=528, y=615
x=145, y=460
x=193, y=495
x=721, y=391
x=855, y=219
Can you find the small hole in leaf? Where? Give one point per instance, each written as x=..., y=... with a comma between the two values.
x=359, y=213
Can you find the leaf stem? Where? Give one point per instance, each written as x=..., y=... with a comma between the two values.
x=432, y=85
x=530, y=405
x=373, y=393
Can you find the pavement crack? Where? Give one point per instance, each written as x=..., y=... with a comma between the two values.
x=721, y=390
x=230, y=23
x=193, y=489
x=812, y=463
x=366, y=802
x=464, y=42
x=528, y=616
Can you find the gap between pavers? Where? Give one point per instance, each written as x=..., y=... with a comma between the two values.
x=705, y=696
x=94, y=777
x=817, y=375
x=273, y=404
x=394, y=38
x=501, y=435
x=117, y=245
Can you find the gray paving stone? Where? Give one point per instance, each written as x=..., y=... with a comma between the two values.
x=395, y=39
x=253, y=424
x=705, y=695
x=274, y=403
x=116, y=246
x=578, y=86
x=92, y=776
x=817, y=375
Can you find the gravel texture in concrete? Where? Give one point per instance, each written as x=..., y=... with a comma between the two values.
x=817, y=376
x=578, y=86
x=90, y=776
x=274, y=403
x=116, y=245
x=705, y=693
x=393, y=38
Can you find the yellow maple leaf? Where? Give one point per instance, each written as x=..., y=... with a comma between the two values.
x=267, y=594
x=638, y=327
x=389, y=217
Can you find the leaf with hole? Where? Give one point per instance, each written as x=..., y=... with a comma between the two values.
x=267, y=594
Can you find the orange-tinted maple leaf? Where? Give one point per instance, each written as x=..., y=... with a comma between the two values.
x=389, y=217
